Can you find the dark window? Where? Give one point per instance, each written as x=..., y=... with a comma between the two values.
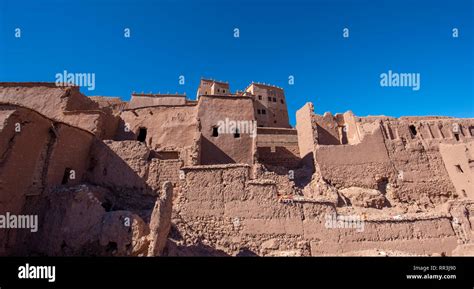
x=413, y=130
x=269, y=98
x=236, y=133
x=259, y=97
x=66, y=176
x=274, y=99
x=263, y=111
x=215, y=131
x=456, y=135
x=282, y=102
x=141, y=134
x=223, y=90
x=258, y=111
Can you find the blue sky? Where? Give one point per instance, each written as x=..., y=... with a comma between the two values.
x=278, y=38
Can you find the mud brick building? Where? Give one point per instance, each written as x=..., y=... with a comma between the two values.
x=192, y=187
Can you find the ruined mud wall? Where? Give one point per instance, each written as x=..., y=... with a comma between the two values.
x=131, y=173
x=139, y=101
x=415, y=152
x=167, y=129
x=220, y=211
x=36, y=154
x=400, y=157
x=307, y=136
x=116, y=104
x=278, y=147
x=27, y=167
x=459, y=162
x=360, y=165
x=63, y=104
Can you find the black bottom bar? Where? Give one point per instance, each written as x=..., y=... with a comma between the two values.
x=326, y=272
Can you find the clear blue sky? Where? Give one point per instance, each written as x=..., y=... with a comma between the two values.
x=278, y=38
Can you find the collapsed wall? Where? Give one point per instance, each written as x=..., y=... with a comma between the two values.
x=49, y=169
x=278, y=147
x=163, y=129
x=393, y=158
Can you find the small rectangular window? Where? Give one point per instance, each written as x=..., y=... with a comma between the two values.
x=269, y=98
x=412, y=130
x=282, y=102
x=215, y=131
x=274, y=99
x=259, y=97
x=142, y=134
x=236, y=133
x=263, y=111
x=258, y=111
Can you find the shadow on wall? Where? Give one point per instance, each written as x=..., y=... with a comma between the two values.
x=199, y=249
x=128, y=186
x=122, y=133
x=211, y=154
x=325, y=137
x=121, y=191
x=281, y=156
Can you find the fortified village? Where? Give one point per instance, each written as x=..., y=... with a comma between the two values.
x=227, y=175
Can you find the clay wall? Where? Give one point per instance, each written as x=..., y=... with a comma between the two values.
x=35, y=153
x=131, y=168
x=212, y=87
x=116, y=104
x=327, y=129
x=27, y=167
x=307, y=136
x=278, y=147
x=172, y=129
x=143, y=100
x=360, y=165
x=63, y=104
x=459, y=162
x=402, y=155
x=226, y=147
x=234, y=215
x=270, y=105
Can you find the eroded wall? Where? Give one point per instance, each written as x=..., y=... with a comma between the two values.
x=174, y=129
x=222, y=211
x=278, y=147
